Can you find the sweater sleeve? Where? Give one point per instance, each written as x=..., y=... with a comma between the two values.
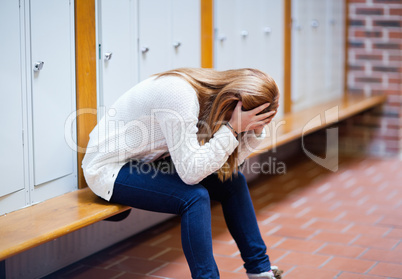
x=192, y=161
x=178, y=121
x=249, y=143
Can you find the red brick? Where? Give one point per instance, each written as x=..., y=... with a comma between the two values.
x=303, y=259
x=229, y=263
x=302, y=272
x=341, y=250
x=368, y=79
x=294, y=232
x=387, y=269
x=369, y=11
x=383, y=256
x=369, y=56
x=392, y=220
x=390, y=46
x=395, y=35
x=368, y=34
x=360, y=218
x=334, y=237
x=347, y=275
x=395, y=233
x=352, y=265
x=136, y=265
x=328, y=225
x=367, y=230
x=395, y=11
x=387, y=23
x=173, y=270
x=387, y=1
x=376, y=242
x=298, y=245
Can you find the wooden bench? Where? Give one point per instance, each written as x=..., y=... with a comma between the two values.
x=32, y=226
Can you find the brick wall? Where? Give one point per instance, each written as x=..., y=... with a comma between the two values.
x=374, y=68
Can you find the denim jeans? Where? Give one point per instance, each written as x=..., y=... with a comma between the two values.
x=157, y=187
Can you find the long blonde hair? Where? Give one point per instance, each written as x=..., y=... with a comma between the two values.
x=218, y=93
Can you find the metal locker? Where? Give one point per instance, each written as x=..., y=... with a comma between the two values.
x=117, y=49
x=53, y=89
x=154, y=37
x=185, y=42
x=248, y=53
x=11, y=106
x=226, y=37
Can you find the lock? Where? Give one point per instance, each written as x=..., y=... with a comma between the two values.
x=38, y=66
x=108, y=56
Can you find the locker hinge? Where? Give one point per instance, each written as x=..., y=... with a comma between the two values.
x=23, y=140
x=100, y=51
x=19, y=3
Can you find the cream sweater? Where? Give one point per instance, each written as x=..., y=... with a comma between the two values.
x=156, y=117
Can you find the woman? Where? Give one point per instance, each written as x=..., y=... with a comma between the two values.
x=174, y=142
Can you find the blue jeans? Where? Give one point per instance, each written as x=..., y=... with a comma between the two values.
x=157, y=187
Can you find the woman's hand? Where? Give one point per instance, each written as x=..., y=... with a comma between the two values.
x=243, y=121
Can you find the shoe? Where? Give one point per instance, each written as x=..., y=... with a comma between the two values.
x=274, y=273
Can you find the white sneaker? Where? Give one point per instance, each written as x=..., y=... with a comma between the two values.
x=264, y=275
x=274, y=273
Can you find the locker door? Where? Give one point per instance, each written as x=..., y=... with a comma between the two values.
x=271, y=33
x=226, y=35
x=336, y=37
x=118, y=65
x=52, y=87
x=248, y=34
x=154, y=37
x=11, y=83
x=185, y=43
x=271, y=42
x=317, y=51
x=300, y=44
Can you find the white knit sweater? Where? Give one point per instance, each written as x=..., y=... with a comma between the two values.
x=155, y=117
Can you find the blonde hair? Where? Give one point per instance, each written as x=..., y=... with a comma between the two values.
x=218, y=93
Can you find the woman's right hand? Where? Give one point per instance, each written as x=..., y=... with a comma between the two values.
x=243, y=121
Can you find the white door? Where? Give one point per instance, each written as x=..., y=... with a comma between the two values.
x=301, y=32
x=52, y=87
x=185, y=43
x=226, y=34
x=317, y=51
x=11, y=105
x=155, y=43
x=248, y=34
x=335, y=49
x=118, y=64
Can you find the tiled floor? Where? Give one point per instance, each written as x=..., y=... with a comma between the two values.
x=317, y=224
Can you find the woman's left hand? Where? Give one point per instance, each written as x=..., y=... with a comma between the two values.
x=258, y=131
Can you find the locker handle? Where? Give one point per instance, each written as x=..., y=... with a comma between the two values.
x=144, y=49
x=315, y=23
x=267, y=30
x=244, y=33
x=108, y=56
x=222, y=38
x=38, y=66
x=176, y=44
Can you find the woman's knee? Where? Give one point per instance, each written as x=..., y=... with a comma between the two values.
x=198, y=197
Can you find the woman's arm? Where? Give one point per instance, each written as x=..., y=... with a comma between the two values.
x=249, y=143
x=192, y=161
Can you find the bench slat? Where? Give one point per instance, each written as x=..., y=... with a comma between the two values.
x=293, y=123
x=29, y=227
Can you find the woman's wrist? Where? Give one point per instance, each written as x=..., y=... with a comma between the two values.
x=235, y=133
